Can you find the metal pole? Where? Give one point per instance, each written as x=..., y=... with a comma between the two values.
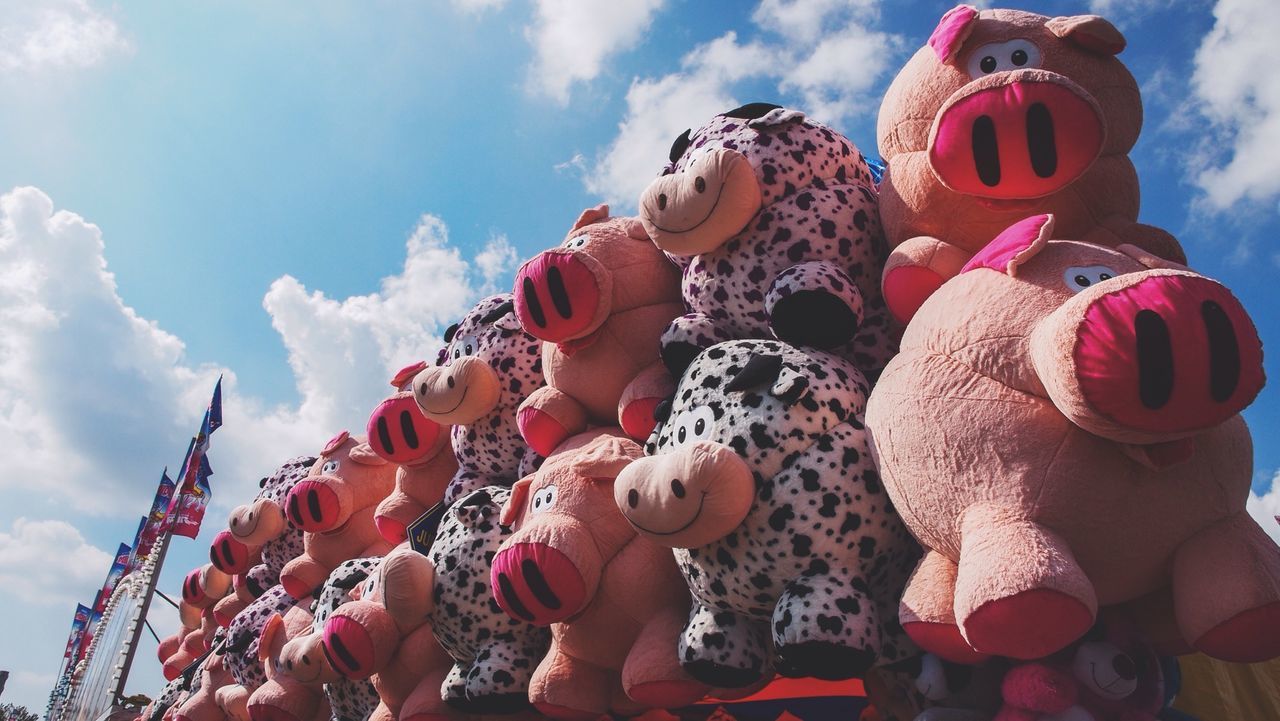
x=142, y=615
x=170, y=600
x=154, y=635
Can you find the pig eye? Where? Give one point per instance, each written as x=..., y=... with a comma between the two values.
x=1003, y=57
x=544, y=499
x=329, y=468
x=1078, y=278
x=575, y=243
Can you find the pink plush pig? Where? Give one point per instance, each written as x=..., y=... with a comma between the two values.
x=399, y=433
x=1061, y=432
x=201, y=706
x=615, y=601
x=259, y=530
x=334, y=505
x=205, y=586
x=599, y=303
x=283, y=698
x=1003, y=114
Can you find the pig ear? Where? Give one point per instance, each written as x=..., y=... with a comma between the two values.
x=273, y=626
x=1015, y=246
x=605, y=457
x=591, y=215
x=512, y=511
x=953, y=29
x=406, y=375
x=1091, y=32
x=364, y=455
x=1148, y=258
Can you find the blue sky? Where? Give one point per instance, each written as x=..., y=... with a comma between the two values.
x=303, y=197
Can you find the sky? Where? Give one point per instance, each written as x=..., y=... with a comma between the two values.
x=302, y=196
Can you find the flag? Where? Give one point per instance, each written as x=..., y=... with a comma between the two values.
x=156, y=521
x=192, y=505
x=78, y=623
x=113, y=577
x=132, y=562
x=213, y=416
x=90, y=628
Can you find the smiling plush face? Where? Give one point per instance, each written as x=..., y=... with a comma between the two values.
x=740, y=410
x=722, y=174
x=487, y=355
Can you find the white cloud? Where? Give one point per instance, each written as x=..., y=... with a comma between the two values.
x=49, y=562
x=572, y=39
x=64, y=33
x=97, y=397
x=478, y=6
x=495, y=261
x=1265, y=509
x=821, y=53
x=1240, y=97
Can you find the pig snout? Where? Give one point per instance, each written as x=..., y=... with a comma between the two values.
x=537, y=583
x=314, y=506
x=1014, y=137
x=359, y=648
x=399, y=432
x=1163, y=356
x=559, y=296
x=228, y=554
x=699, y=208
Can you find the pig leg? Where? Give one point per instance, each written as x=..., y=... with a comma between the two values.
x=498, y=682
x=302, y=575
x=1019, y=591
x=724, y=649
x=426, y=702
x=641, y=398
x=686, y=337
x=814, y=304
x=564, y=687
x=840, y=639
x=652, y=675
x=1226, y=591
x=927, y=610
x=915, y=269
x=395, y=513
x=547, y=417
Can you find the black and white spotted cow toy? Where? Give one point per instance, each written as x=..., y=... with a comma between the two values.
x=774, y=220
x=759, y=477
x=487, y=370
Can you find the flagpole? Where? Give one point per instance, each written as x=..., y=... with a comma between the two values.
x=136, y=635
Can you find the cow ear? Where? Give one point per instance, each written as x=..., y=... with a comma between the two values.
x=635, y=230
x=791, y=386
x=953, y=29
x=1091, y=32
x=591, y=215
x=364, y=455
x=1014, y=246
x=514, y=508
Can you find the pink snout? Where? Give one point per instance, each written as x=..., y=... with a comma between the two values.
x=536, y=583
x=557, y=296
x=227, y=554
x=399, y=432
x=313, y=507
x=1015, y=140
x=1170, y=354
x=349, y=648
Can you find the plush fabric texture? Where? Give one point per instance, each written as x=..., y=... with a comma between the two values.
x=421, y=448
x=774, y=221
x=282, y=697
x=803, y=559
x=599, y=302
x=614, y=648
x=261, y=525
x=1037, y=506
x=1005, y=114
x=482, y=376
x=205, y=586
x=245, y=633
x=202, y=705
x=337, y=501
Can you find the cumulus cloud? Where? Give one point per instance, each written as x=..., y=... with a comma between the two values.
x=572, y=39
x=1265, y=509
x=49, y=562
x=478, y=6
x=92, y=431
x=1240, y=100
x=824, y=54
x=63, y=33
x=496, y=259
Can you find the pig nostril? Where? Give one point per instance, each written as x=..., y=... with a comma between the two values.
x=513, y=601
x=1124, y=667
x=1040, y=141
x=295, y=510
x=1155, y=359
x=559, y=295
x=662, y=201
x=450, y=382
x=1224, y=351
x=699, y=184
x=986, y=151
x=531, y=302
x=677, y=488
x=406, y=428
x=313, y=505
x=384, y=435
x=538, y=585
x=633, y=498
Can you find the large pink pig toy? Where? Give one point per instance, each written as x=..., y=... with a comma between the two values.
x=615, y=601
x=1061, y=432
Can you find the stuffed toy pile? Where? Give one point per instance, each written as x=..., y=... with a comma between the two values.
x=971, y=435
